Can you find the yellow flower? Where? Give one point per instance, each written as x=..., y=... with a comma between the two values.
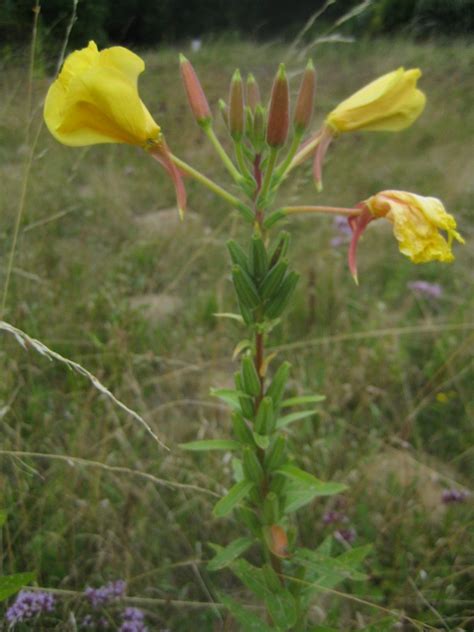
x=417, y=222
x=390, y=103
x=95, y=100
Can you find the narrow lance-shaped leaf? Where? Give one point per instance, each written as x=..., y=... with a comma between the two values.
x=210, y=444
x=303, y=399
x=286, y=420
x=236, y=494
x=226, y=555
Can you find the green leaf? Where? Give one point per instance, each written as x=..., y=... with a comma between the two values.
x=229, y=395
x=328, y=566
x=3, y=518
x=249, y=621
x=226, y=555
x=237, y=470
x=210, y=444
x=286, y=420
x=305, y=487
x=296, y=474
x=282, y=608
x=297, y=496
x=325, y=547
x=10, y=584
x=304, y=399
x=251, y=576
x=280, y=603
x=241, y=346
x=230, y=315
x=263, y=441
x=355, y=556
x=236, y=493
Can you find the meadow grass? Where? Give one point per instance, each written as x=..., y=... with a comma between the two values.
x=101, y=278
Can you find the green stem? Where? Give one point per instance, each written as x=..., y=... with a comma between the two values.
x=305, y=151
x=267, y=178
x=332, y=210
x=207, y=182
x=229, y=165
x=259, y=359
x=239, y=154
x=295, y=143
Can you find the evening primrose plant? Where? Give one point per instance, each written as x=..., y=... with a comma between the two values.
x=95, y=100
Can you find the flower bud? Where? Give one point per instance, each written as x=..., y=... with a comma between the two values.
x=196, y=97
x=236, y=107
x=278, y=116
x=305, y=101
x=253, y=92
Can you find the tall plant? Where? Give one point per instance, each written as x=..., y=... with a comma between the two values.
x=95, y=100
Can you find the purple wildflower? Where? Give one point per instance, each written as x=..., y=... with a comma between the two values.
x=92, y=623
x=425, y=288
x=88, y=621
x=454, y=496
x=345, y=535
x=330, y=517
x=29, y=604
x=103, y=595
x=133, y=621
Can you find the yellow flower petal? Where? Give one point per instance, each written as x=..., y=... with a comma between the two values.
x=95, y=100
x=390, y=103
x=417, y=221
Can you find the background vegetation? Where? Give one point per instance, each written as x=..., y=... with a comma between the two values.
x=148, y=23
x=106, y=275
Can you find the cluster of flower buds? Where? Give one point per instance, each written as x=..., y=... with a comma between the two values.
x=245, y=114
x=253, y=126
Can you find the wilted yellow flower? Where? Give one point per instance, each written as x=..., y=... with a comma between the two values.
x=390, y=103
x=417, y=222
x=95, y=100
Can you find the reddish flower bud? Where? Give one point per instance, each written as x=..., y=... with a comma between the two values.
x=278, y=116
x=305, y=101
x=196, y=97
x=253, y=92
x=236, y=107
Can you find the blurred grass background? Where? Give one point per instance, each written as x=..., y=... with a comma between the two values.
x=106, y=275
